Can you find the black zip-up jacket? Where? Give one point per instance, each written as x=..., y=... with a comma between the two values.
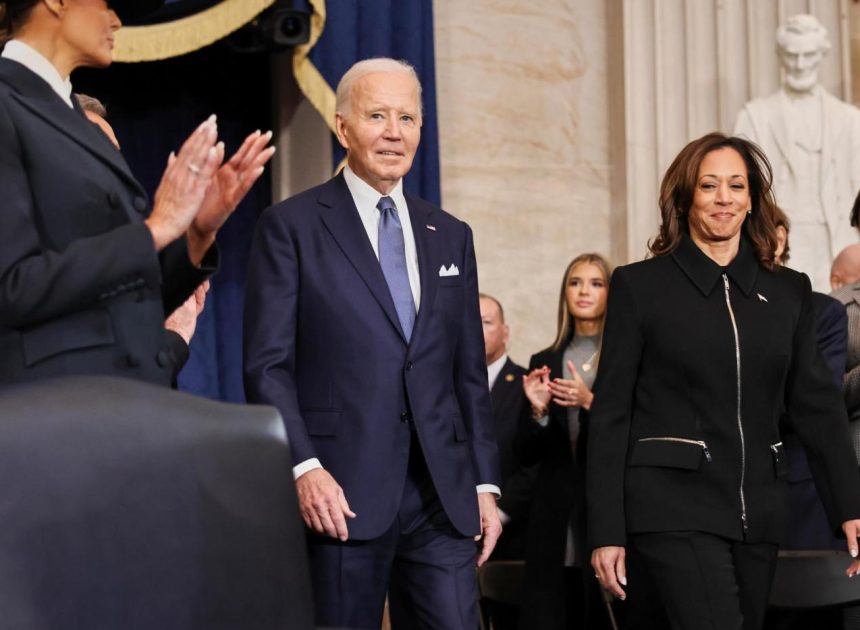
x=698, y=364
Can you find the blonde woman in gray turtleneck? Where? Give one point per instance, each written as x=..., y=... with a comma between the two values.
x=558, y=594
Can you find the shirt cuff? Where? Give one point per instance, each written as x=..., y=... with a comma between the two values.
x=305, y=466
x=490, y=487
x=543, y=420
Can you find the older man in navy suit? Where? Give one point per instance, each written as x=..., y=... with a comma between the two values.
x=362, y=327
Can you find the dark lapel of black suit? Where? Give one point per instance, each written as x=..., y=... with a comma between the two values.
x=504, y=388
x=340, y=216
x=555, y=362
x=420, y=215
x=38, y=98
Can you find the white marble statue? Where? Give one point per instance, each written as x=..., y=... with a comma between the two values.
x=812, y=140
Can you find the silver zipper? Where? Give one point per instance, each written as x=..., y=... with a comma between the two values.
x=740, y=423
x=683, y=441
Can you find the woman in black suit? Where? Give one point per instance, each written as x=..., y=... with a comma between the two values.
x=558, y=389
x=87, y=266
x=706, y=345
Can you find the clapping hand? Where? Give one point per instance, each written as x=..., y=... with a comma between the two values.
x=228, y=186
x=572, y=392
x=183, y=185
x=536, y=388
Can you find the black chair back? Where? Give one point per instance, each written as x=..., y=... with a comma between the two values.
x=126, y=505
x=813, y=579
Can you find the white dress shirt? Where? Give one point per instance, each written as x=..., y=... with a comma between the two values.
x=495, y=368
x=36, y=63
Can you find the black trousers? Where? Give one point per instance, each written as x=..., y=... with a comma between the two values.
x=697, y=581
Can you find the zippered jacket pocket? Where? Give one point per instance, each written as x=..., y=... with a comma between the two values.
x=670, y=452
x=780, y=460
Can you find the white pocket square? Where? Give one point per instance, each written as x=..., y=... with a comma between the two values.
x=450, y=271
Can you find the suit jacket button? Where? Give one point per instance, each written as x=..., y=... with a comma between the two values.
x=139, y=204
x=405, y=417
x=132, y=360
x=113, y=199
x=162, y=358
x=409, y=366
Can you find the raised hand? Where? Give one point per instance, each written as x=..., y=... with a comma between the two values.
x=230, y=184
x=183, y=185
x=536, y=389
x=572, y=392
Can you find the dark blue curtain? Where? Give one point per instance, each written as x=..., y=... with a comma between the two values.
x=403, y=29
x=153, y=107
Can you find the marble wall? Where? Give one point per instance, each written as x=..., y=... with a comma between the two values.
x=523, y=118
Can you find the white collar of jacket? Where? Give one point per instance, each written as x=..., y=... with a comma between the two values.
x=705, y=273
x=36, y=63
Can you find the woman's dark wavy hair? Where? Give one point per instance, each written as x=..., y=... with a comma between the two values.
x=679, y=185
x=12, y=16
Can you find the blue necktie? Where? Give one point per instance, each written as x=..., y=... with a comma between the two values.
x=392, y=258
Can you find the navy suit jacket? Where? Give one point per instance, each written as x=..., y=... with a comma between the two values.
x=809, y=527
x=323, y=345
x=517, y=480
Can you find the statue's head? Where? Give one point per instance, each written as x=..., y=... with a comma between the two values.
x=801, y=43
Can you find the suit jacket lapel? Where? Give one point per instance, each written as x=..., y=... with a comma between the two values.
x=420, y=214
x=504, y=387
x=340, y=217
x=39, y=99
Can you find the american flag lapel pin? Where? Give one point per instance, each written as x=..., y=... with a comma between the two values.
x=432, y=228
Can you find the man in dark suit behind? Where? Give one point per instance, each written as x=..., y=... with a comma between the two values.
x=506, y=391
x=362, y=327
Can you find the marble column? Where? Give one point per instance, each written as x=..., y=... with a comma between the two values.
x=523, y=118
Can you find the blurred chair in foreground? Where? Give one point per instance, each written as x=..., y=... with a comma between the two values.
x=813, y=581
x=125, y=505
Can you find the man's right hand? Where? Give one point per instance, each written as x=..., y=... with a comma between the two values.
x=322, y=504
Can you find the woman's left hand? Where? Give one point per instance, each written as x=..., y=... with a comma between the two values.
x=229, y=185
x=852, y=531
x=572, y=392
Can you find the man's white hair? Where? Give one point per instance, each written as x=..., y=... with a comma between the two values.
x=799, y=25
x=343, y=102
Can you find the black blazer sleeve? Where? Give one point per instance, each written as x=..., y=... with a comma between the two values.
x=41, y=280
x=609, y=421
